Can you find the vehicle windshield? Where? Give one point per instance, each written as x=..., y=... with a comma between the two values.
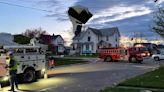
x=141, y=49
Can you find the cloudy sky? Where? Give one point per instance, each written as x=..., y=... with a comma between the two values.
x=130, y=16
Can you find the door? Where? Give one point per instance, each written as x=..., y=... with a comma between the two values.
x=123, y=54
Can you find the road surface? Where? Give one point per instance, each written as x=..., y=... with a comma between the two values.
x=88, y=77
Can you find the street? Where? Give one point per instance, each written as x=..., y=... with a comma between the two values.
x=88, y=77
x=66, y=40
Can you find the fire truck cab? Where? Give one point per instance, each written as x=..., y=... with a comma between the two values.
x=131, y=54
x=31, y=60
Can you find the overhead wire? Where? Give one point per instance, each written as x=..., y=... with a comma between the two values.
x=17, y=5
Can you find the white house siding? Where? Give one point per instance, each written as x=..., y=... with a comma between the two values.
x=93, y=39
x=60, y=43
x=118, y=40
x=112, y=40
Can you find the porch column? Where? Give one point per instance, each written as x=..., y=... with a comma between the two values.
x=84, y=47
x=90, y=47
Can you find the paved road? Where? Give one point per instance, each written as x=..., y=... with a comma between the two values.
x=88, y=77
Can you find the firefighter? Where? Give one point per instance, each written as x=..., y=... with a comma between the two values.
x=12, y=71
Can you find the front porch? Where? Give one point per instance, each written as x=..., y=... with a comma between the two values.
x=84, y=48
x=87, y=48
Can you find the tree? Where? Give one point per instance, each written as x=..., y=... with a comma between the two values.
x=159, y=22
x=34, y=32
x=21, y=39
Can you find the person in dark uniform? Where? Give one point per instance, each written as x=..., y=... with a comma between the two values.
x=12, y=72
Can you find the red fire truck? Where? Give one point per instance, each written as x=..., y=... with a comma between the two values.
x=131, y=54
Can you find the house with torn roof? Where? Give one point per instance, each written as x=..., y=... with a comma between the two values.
x=90, y=40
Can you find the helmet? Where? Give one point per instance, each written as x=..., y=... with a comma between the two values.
x=10, y=53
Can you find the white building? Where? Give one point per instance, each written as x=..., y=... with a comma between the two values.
x=91, y=40
x=7, y=39
x=58, y=42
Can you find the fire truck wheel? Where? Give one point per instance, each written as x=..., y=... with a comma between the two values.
x=156, y=58
x=29, y=76
x=108, y=59
x=133, y=59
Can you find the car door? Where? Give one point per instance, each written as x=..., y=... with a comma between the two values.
x=162, y=55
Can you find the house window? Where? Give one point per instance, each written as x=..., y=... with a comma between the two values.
x=116, y=39
x=89, y=39
x=88, y=32
x=73, y=47
x=107, y=38
x=109, y=45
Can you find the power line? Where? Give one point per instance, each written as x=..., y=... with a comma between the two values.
x=11, y=4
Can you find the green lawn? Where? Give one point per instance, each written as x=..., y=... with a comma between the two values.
x=64, y=61
x=124, y=90
x=153, y=79
x=150, y=80
x=118, y=90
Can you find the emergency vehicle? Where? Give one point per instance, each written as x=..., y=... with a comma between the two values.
x=31, y=59
x=131, y=54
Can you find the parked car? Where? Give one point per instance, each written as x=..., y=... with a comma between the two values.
x=159, y=56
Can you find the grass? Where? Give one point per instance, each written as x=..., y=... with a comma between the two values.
x=125, y=90
x=64, y=61
x=151, y=80
x=118, y=90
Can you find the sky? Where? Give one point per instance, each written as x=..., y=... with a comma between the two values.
x=130, y=16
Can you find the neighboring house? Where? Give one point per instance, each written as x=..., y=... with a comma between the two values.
x=55, y=42
x=91, y=40
x=58, y=43
x=7, y=39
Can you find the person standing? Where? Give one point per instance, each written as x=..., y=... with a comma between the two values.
x=12, y=72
